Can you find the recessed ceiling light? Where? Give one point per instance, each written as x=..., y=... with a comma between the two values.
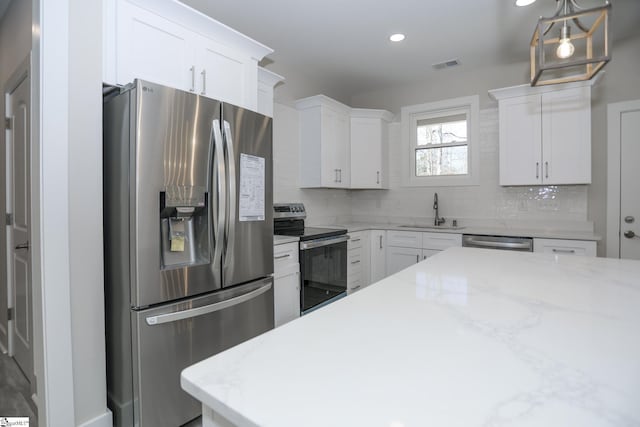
x=524, y=2
x=396, y=37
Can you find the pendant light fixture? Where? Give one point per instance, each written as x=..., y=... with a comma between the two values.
x=572, y=45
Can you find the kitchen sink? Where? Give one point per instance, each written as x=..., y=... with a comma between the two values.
x=432, y=227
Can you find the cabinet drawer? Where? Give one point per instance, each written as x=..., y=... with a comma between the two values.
x=404, y=239
x=355, y=240
x=565, y=247
x=284, y=256
x=354, y=261
x=354, y=285
x=441, y=241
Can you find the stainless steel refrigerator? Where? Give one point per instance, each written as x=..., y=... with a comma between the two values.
x=188, y=230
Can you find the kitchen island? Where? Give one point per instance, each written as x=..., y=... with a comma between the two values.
x=468, y=337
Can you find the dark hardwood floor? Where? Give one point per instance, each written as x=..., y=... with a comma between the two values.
x=15, y=396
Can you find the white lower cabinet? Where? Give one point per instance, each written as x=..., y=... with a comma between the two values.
x=400, y=258
x=378, y=255
x=410, y=247
x=565, y=247
x=357, y=261
x=286, y=284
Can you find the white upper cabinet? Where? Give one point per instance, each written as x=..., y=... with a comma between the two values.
x=266, y=82
x=369, y=148
x=342, y=147
x=167, y=42
x=324, y=143
x=545, y=134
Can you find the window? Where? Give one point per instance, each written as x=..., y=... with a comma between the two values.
x=441, y=141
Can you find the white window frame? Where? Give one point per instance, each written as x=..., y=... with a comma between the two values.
x=410, y=115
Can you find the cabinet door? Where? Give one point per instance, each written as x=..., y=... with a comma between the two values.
x=152, y=48
x=426, y=253
x=401, y=258
x=225, y=74
x=366, y=152
x=335, y=148
x=566, y=136
x=520, y=124
x=378, y=258
x=286, y=298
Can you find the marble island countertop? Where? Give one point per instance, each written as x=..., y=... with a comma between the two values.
x=468, y=337
x=548, y=233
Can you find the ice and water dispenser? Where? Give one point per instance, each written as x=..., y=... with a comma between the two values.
x=184, y=218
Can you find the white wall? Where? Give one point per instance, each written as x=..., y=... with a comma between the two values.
x=323, y=206
x=487, y=203
x=85, y=213
x=621, y=81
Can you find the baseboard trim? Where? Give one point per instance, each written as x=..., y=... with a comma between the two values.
x=102, y=420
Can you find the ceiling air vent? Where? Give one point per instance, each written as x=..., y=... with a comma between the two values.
x=446, y=64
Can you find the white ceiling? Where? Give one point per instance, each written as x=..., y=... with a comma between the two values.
x=343, y=45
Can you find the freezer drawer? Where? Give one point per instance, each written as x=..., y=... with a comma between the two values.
x=167, y=339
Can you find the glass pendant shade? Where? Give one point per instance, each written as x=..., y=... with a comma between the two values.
x=570, y=47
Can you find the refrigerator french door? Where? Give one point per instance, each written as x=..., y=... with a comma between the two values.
x=188, y=242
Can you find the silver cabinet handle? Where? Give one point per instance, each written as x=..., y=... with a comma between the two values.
x=335, y=179
x=340, y=175
x=380, y=242
x=193, y=78
x=355, y=262
x=378, y=177
x=417, y=258
x=282, y=256
x=546, y=169
x=231, y=220
x=193, y=312
x=24, y=245
x=564, y=251
x=204, y=82
x=355, y=240
x=355, y=287
x=537, y=170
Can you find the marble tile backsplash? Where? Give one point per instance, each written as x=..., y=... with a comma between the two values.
x=484, y=204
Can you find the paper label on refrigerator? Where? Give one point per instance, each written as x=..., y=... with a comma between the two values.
x=251, y=192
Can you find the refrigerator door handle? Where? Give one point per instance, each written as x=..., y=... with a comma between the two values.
x=231, y=220
x=194, y=312
x=222, y=197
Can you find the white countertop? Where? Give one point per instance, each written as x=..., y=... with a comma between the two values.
x=549, y=233
x=469, y=337
x=281, y=240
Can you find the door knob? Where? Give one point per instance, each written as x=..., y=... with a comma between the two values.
x=630, y=234
x=629, y=219
x=24, y=245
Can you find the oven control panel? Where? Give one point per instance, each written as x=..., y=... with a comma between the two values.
x=289, y=211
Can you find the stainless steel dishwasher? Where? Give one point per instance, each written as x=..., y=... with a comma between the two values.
x=522, y=244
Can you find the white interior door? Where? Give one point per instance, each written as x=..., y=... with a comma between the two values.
x=19, y=206
x=629, y=179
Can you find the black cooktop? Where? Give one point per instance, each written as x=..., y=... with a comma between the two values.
x=310, y=233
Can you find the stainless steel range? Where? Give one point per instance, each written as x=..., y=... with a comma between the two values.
x=323, y=256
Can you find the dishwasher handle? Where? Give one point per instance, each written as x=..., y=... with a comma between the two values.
x=474, y=241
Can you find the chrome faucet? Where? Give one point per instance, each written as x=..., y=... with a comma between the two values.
x=437, y=221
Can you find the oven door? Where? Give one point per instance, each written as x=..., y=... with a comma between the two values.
x=323, y=264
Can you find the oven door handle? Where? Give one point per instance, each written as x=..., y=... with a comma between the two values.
x=312, y=244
